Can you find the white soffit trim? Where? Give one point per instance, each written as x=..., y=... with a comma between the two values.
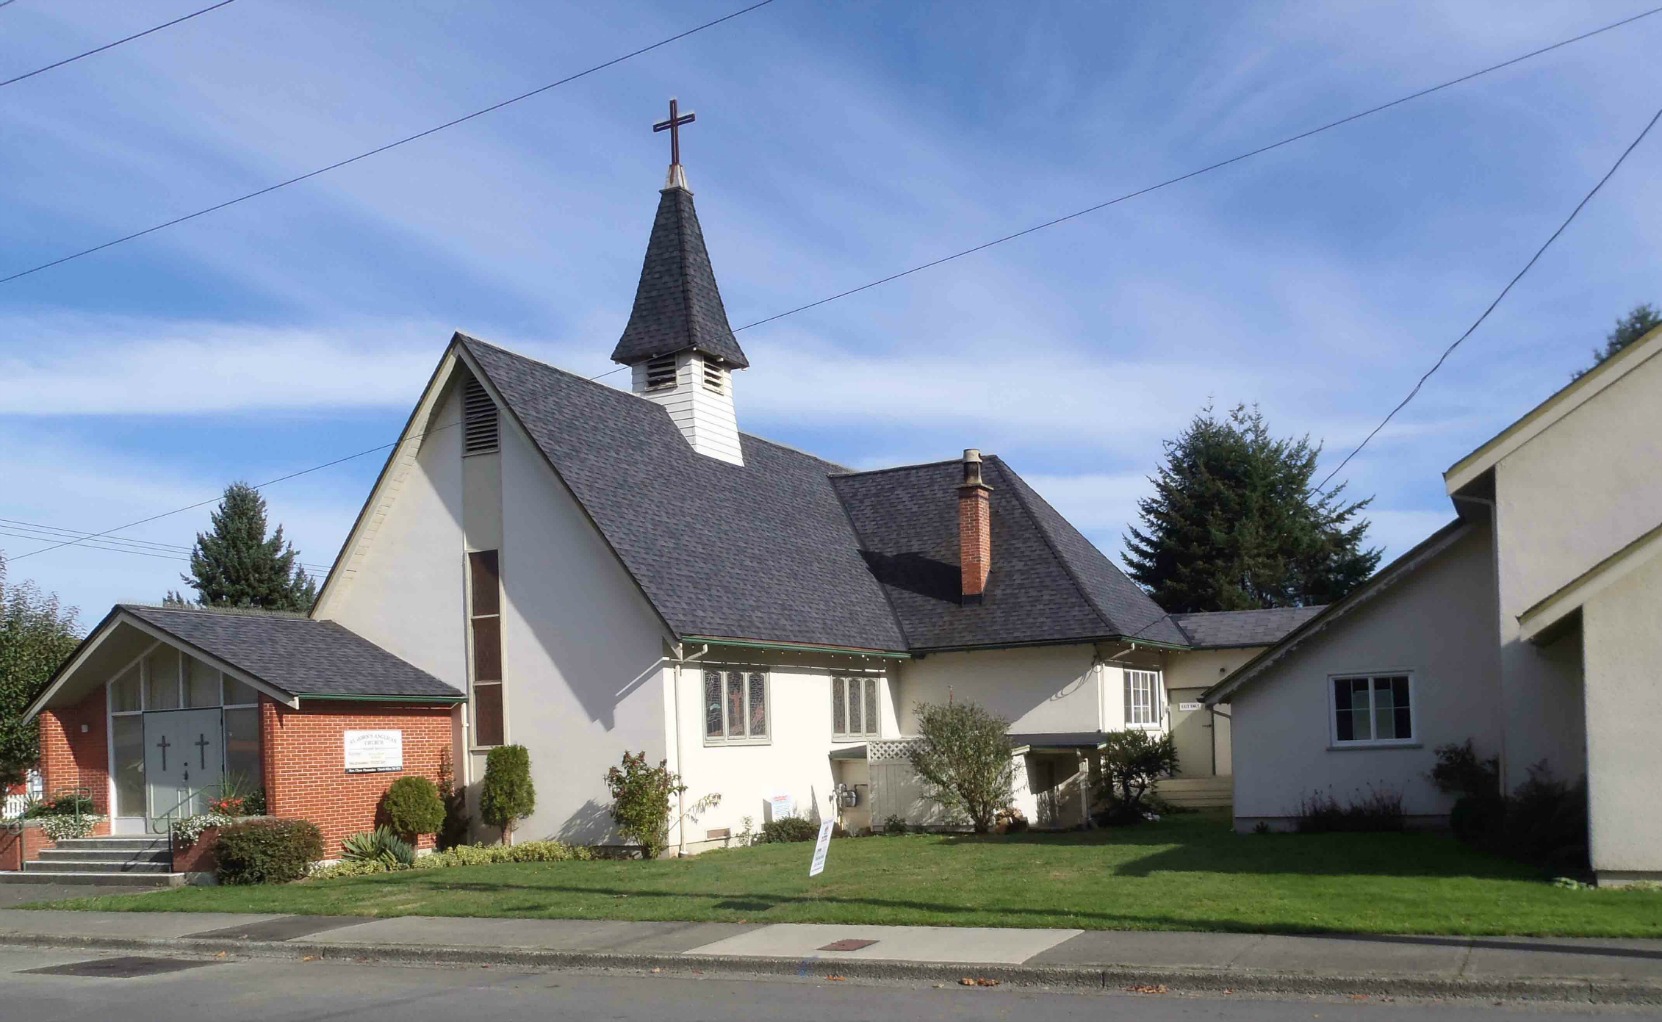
x=1381, y=582
x=1573, y=596
x=1540, y=418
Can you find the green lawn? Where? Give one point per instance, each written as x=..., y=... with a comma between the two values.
x=1184, y=873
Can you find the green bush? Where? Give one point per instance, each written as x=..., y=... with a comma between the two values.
x=354, y=868
x=894, y=826
x=413, y=807
x=789, y=828
x=379, y=845
x=1131, y=763
x=1546, y=821
x=484, y=855
x=506, y=796
x=963, y=756
x=267, y=851
x=70, y=804
x=641, y=797
x=1380, y=810
x=454, y=830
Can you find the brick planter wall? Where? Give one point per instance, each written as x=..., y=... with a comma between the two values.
x=25, y=843
x=73, y=758
x=305, y=761
x=199, y=857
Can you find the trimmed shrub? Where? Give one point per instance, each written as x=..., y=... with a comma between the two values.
x=454, y=830
x=379, y=845
x=1546, y=821
x=267, y=851
x=963, y=757
x=641, y=801
x=894, y=826
x=789, y=828
x=484, y=855
x=1131, y=763
x=413, y=807
x=61, y=805
x=506, y=795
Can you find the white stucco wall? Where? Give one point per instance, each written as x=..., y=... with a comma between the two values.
x=1437, y=623
x=796, y=758
x=404, y=589
x=1204, y=740
x=582, y=650
x=1577, y=493
x=1038, y=688
x=1622, y=639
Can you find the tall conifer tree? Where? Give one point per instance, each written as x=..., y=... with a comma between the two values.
x=237, y=565
x=1236, y=524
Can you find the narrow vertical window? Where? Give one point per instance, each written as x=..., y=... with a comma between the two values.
x=758, y=705
x=713, y=727
x=485, y=619
x=871, y=706
x=839, y=706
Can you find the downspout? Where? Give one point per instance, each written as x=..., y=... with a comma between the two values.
x=680, y=766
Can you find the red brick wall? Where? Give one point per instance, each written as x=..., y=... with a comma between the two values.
x=24, y=844
x=70, y=757
x=305, y=761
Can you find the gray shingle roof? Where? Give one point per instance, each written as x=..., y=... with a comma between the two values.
x=677, y=303
x=1047, y=584
x=297, y=655
x=1226, y=629
x=761, y=551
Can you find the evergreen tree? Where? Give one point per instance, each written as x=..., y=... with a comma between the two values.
x=36, y=637
x=1636, y=324
x=236, y=565
x=1236, y=524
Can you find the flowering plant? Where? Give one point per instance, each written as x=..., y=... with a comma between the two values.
x=188, y=829
x=229, y=805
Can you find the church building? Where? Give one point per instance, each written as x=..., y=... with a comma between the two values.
x=587, y=571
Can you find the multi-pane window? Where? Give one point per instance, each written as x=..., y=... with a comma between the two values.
x=854, y=707
x=485, y=618
x=1372, y=708
x=1143, y=698
x=735, y=707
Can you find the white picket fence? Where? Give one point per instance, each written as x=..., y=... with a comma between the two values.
x=15, y=804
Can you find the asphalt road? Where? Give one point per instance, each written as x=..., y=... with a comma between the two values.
x=271, y=990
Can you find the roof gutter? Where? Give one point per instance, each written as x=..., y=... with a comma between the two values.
x=334, y=697
x=788, y=647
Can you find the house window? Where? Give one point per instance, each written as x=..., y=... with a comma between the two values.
x=1373, y=709
x=854, y=708
x=735, y=707
x=485, y=619
x=1143, y=699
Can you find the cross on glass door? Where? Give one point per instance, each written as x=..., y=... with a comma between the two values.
x=163, y=745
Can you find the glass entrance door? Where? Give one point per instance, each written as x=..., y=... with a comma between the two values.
x=184, y=760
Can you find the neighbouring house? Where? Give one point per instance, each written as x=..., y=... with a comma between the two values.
x=1531, y=625
x=584, y=570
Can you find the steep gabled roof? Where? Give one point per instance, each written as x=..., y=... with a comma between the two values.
x=761, y=551
x=1048, y=583
x=677, y=304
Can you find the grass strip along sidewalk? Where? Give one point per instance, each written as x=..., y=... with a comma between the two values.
x=1187, y=872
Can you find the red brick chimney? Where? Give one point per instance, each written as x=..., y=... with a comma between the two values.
x=975, y=530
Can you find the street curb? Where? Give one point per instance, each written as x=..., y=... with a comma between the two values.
x=1111, y=979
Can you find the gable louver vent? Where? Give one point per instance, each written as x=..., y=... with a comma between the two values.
x=480, y=424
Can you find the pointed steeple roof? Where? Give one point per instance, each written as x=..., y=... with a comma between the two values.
x=677, y=304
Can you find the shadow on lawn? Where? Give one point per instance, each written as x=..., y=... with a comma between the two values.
x=1212, y=846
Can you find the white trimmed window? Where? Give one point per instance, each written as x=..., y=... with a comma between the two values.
x=735, y=707
x=1373, y=709
x=1144, y=698
x=854, y=711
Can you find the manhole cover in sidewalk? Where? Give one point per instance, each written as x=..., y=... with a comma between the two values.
x=848, y=944
x=127, y=967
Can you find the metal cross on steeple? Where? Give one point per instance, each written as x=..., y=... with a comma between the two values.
x=673, y=126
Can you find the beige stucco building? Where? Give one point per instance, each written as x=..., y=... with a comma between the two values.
x=1531, y=625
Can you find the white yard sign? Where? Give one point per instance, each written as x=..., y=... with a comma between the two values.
x=370, y=752
x=821, y=846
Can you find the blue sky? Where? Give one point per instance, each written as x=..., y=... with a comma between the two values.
x=836, y=143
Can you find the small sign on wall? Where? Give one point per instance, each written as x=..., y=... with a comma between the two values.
x=1188, y=707
x=373, y=752
x=781, y=804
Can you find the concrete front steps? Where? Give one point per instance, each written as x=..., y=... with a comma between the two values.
x=1197, y=792
x=144, y=861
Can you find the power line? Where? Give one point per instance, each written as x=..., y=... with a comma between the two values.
x=1196, y=173
x=381, y=149
x=111, y=46
x=1503, y=293
x=33, y=530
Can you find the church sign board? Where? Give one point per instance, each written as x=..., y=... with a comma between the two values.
x=371, y=752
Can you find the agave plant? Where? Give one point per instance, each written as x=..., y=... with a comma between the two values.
x=378, y=845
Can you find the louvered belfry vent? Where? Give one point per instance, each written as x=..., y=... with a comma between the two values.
x=481, y=426
x=660, y=372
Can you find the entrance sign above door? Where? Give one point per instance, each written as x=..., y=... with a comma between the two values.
x=369, y=752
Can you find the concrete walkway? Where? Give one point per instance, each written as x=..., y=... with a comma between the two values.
x=1608, y=971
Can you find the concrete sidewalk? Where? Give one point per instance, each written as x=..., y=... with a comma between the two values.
x=1603, y=971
